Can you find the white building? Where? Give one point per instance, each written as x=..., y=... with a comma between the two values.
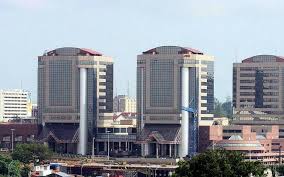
x=14, y=104
x=123, y=103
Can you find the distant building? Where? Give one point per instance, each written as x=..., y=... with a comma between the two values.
x=34, y=110
x=14, y=104
x=258, y=90
x=170, y=78
x=75, y=87
x=123, y=103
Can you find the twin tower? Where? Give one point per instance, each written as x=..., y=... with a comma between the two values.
x=75, y=89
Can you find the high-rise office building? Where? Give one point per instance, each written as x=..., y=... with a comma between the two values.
x=75, y=87
x=14, y=104
x=123, y=103
x=170, y=78
x=258, y=90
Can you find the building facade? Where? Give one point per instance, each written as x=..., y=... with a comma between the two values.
x=116, y=132
x=14, y=104
x=75, y=86
x=170, y=78
x=258, y=87
x=258, y=142
x=123, y=103
x=14, y=133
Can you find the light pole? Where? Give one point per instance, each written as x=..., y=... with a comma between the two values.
x=12, y=140
x=93, y=148
x=82, y=169
x=280, y=161
x=107, y=144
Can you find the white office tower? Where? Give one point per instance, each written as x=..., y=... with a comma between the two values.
x=174, y=84
x=14, y=104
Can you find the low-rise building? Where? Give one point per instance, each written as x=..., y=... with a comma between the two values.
x=13, y=133
x=261, y=143
x=118, y=132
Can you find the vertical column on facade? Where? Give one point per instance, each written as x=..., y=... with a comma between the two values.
x=170, y=150
x=157, y=150
x=183, y=148
x=82, y=148
x=105, y=146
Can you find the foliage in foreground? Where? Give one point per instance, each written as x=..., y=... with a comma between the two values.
x=219, y=163
x=26, y=153
x=9, y=167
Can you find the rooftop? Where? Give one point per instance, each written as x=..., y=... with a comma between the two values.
x=72, y=51
x=263, y=59
x=172, y=50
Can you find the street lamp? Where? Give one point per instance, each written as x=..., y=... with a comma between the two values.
x=107, y=144
x=82, y=164
x=93, y=148
x=12, y=141
x=280, y=155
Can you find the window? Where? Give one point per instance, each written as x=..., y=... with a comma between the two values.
x=123, y=130
x=116, y=130
x=101, y=130
x=110, y=130
x=232, y=131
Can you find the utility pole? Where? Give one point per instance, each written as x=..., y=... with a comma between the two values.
x=108, y=145
x=12, y=139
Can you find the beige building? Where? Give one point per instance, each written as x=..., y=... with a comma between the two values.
x=123, y=103
x=258, y=90
x=171, y=79
x=116, y=131
x=75, y=85
x=14, y=104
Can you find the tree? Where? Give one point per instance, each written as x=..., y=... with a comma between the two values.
x=25, y=171
x=26, y=153
x=219, y=163
x=223, y=109
x=9, y=167
x=227, y=107
x=218, y=110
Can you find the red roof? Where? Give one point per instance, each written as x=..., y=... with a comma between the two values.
x=184, y=50
x=92, y=52
x=251, y=59
x=82, y=51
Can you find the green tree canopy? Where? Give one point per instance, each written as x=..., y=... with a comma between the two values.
x=30, y=152
x=9, y=167
x=223, y=109
x=219, y=163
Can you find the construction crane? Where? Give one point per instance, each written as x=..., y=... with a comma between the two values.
x=193, y=130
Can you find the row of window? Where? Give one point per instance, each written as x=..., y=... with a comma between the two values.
x=116, y=130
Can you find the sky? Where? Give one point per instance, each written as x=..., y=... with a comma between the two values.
x=228, y=30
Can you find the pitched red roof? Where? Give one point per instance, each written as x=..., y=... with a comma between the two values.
x=184, y=50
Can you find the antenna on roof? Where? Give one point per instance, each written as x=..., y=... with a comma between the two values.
x=128, y=88
x=236, y=55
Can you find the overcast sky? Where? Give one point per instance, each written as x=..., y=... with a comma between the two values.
x=228, y=30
